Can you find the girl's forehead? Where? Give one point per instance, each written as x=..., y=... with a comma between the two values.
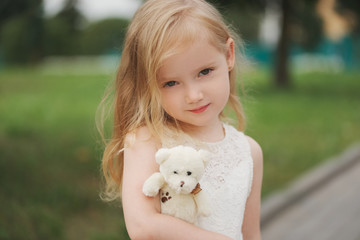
x=177, y=49
x=180, y=46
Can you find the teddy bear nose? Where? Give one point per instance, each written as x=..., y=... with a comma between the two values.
x=182, y=183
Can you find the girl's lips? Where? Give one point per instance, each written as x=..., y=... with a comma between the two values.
x=200, y=109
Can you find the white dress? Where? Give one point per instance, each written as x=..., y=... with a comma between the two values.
x=227, y=182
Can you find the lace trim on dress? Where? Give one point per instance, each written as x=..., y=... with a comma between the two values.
x=227, y=181
x=225, y=158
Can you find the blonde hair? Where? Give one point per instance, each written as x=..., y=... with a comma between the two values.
x=158, y=30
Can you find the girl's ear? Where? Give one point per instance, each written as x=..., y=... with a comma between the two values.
x=230, y=53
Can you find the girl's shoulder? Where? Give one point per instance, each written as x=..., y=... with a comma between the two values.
x=254, y=146
x=256, y=152
x=140, y=148
x=141, y=135
x=140, y=138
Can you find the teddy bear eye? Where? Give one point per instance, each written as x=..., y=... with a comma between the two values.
x=188, y=173
x=175, y=172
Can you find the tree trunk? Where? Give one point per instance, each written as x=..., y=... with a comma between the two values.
x=282, y=77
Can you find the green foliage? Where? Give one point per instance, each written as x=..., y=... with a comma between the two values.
x=58, y=38
x=245, y=22
x=71, y=16
x=243, y=16
x=303, y=15
x=63, y=31
x=11, y=8
x=96, y=38
x=21, y=31
x=350, y=9
x=104, y=36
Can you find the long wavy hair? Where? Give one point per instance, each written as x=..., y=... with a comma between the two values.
x=159, y=29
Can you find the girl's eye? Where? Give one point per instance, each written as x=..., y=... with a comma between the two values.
x=205, y=72
x=170, y=84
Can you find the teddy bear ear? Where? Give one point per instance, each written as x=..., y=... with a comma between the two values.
x=162, y=154
x=205, y=156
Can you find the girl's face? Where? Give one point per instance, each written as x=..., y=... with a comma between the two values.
x=194, y=84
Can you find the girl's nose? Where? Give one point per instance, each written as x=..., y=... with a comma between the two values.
x=193, y=94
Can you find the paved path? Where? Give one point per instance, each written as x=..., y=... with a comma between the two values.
x=323, y=205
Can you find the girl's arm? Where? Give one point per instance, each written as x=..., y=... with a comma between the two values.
x=251, y=224
x=142, y=214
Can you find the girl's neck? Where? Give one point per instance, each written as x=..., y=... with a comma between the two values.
x=213, y=133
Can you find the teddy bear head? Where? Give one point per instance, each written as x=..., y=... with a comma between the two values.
x=182, y=167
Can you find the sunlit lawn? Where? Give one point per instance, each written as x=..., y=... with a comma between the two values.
x=50, y=157
x=50, y=152
x=301, y=127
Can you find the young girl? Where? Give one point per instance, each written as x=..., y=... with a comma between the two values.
x=175, y=78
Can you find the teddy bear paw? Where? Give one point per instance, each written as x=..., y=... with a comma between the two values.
x=165, y=196
x=150, y=191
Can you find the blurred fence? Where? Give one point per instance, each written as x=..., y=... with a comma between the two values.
x=327, y=56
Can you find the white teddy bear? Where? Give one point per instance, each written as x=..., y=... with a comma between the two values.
x=181, y=168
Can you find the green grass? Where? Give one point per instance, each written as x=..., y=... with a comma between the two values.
x=301, y=127
x=50, y=156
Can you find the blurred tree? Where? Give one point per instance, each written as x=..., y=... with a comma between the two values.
x=296, y=18
x=11, y=8
x=63, y=30
x=350, y=9
x=21, y=30
x=244, y=16
x=104, y=36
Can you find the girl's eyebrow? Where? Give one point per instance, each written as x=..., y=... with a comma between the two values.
x=195, y=71
x=162, y=79
x=207, y=65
